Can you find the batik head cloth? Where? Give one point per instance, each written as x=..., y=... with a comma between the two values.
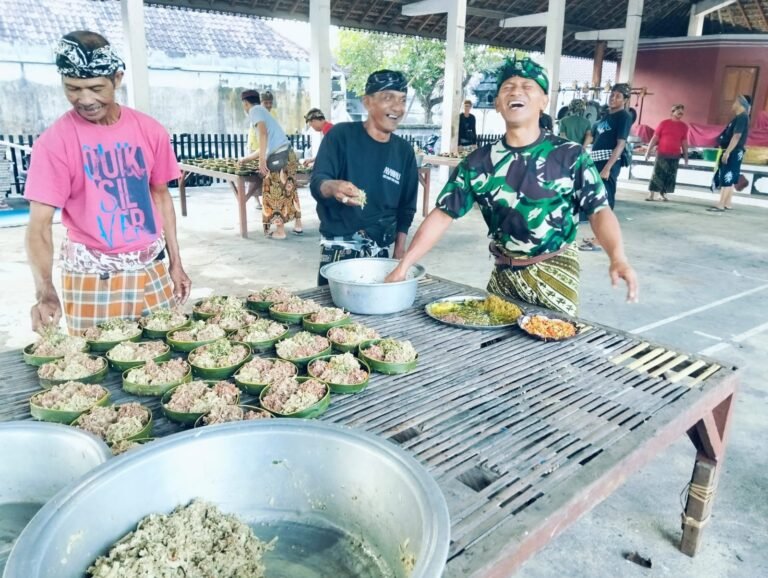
x=577, y=106
x=75, y=60
x=524, y=68
x=386, y=80
x=744, y=102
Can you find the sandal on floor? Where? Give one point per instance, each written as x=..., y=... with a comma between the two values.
x=588, y=246
x=649, y=199
x=715, y=210
x=299, y=232
x=728, y=208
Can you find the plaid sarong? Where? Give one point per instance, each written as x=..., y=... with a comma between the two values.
x=90, y=298
x=553, y=283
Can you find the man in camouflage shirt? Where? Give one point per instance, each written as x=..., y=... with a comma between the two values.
x=530, y=187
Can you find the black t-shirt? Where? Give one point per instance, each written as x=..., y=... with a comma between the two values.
x=610, y=130
x=467, y=131
x=739, y=125
x=385, y=171
x=545, y=122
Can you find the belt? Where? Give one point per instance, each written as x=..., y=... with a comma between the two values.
x=501, y=259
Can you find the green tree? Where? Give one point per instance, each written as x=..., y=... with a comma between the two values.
x=421, y=59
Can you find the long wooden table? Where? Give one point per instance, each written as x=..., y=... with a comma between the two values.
x=522, y=436
x=237, y=182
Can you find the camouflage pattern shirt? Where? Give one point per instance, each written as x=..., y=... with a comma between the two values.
x=530, y=197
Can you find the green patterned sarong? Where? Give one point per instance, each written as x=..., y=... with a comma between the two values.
x=553, y=283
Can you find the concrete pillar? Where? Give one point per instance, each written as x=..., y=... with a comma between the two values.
x=631, y=41
x=137, y=68
x=320, y=55
x=695, y=22
x=553, y=50
x=454, y=74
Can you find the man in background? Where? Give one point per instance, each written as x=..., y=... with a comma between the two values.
x=467, y=126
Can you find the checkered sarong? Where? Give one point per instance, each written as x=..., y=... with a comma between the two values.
x=89, y=299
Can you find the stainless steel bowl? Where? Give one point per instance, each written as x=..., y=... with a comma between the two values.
x=358, y=285
x=343, y=503
x=36, y=461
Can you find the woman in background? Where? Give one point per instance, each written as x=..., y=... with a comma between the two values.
x=671, y=139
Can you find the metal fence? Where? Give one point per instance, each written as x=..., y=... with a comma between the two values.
x=186, y=146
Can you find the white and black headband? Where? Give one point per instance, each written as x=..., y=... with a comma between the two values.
x=75, y=60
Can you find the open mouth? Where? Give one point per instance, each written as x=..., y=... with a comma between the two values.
x=515, y=104
x=393, y=117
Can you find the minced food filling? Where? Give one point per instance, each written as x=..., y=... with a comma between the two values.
x=113, y=330
x=197, y=397
x=229, y=413
x=260, y=370
x=72, y=366
x=115, y=422
x=328, y=315
x=342, y=369
x=234, y=319
x=122, y=446
x=296, y=305
x=220, y=353
x=288, y=395
x=137, y=351
x=193, y=541
x=391, y=351
x=352, y=334
x=218, y=303
x=70, y=396
x=163, y=320
x=152, y=373
x=199, y=331
x=303, y=344
x=53, y=343
x=271, y=295
x=260, y=330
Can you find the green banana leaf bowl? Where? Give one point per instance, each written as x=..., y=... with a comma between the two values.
x=384, y=366
x=102, y=346
x=313, y=411
x=255, y=388
x=184, y=418
x=37, y=360
x=59, y=415
x=199, y=422
x=123, y=365
x=154, y=389
x=185, y=346
x=266, y=345
x=95, y=377
x=342, y=387
x=322, y=328
x=301, y=362
x=162, y=333
x=218, y=373
x=143, y=434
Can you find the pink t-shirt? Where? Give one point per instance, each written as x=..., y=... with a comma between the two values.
x=100, y=177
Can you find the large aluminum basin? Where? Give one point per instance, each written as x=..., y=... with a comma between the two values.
x=322, y=489
x=357, y=285
x=36, y=461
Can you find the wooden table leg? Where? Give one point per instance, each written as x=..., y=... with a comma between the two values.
x=709, y=436
x=424, y=178
x=241, y=200
x=183, y=193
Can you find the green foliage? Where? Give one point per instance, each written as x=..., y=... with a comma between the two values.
x=421, y=59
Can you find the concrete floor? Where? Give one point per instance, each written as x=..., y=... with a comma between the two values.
x=704, y=283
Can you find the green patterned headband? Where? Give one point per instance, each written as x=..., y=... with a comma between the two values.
x=524, y=68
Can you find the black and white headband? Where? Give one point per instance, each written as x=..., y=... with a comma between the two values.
x=76, y=61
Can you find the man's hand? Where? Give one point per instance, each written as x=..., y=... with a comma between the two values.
x=605, y=174
x=623, y=270
x=182, y=284
x=263, y=170
x=344, y=192
x=397, y=274
x=724, y=158
x=47, y=310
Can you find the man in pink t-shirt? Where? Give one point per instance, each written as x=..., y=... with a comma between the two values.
x=107, y=168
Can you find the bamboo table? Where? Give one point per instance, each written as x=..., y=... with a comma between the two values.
x=237, y=182
x=522, y=436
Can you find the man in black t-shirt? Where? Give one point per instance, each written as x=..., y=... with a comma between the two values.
x=467, y=126
x=610, y=136
x=732, y=141
x=365, y=178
